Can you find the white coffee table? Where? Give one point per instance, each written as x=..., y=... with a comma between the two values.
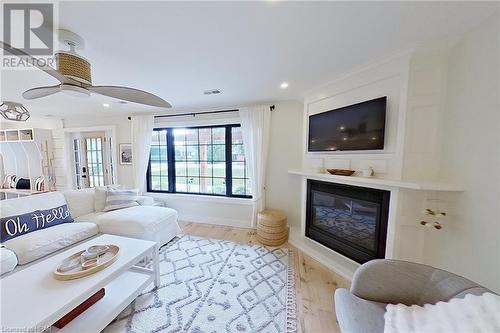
x=32, y=298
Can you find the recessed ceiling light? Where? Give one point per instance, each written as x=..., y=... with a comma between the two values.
x=212, y=92
x=106, y=105
x=284, y=85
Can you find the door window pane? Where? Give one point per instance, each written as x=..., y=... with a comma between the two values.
x=95, y=162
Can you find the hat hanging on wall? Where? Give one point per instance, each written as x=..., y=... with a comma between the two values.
x=14, y=111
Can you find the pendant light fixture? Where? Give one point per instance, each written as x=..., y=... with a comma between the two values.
x=14, y=111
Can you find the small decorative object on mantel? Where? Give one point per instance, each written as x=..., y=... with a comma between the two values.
x=126, y=153
x=368, y=172
x=86, y=262
x=340, y=172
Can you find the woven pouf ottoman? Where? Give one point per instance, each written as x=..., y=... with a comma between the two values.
x=272, y=229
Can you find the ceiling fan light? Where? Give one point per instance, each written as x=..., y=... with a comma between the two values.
x=74, y=66
x=14, y=111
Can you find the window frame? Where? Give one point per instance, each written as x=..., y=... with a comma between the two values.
x=171, y=163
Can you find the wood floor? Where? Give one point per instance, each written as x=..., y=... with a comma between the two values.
x=314, y=283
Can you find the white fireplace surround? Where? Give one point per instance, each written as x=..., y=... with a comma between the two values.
x=394, y=187
x=407, y=166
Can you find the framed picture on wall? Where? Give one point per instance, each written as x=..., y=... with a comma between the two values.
x=125, y=153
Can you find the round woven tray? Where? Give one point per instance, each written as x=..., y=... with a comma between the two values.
x=78, y=272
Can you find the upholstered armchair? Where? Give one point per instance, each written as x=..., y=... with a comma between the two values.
x=380, y=282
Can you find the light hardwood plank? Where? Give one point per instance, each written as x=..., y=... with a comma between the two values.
x=315, y=284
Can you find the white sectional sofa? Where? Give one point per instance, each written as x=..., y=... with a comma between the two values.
x=145, y=221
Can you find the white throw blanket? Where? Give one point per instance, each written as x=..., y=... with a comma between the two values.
x=471, y=314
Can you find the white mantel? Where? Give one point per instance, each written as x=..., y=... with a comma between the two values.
x=374, y=182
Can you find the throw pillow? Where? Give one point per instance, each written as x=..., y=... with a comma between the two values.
x=118, y=199
x=18, y=225
x=469, y=314
x=100, y=196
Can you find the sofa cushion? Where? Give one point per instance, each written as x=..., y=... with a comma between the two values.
x=355, y=314
x=119, y=199
x=40, y=243
x=89, y=217
x=145, y=201
x=27, y=204
x=100, y=196
x=157, y=224
x=8, y=260
x=134, y=220
x=21, y=224
x=80, y=202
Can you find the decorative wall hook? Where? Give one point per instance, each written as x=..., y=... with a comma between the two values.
x=431, y=212
x=436, y=225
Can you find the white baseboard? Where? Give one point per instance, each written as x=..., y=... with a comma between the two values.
x=217, y=221
x=333, y=262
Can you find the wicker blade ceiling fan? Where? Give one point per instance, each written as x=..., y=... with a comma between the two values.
x=73, y=73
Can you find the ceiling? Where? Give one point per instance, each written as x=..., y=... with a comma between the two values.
x=246, y=49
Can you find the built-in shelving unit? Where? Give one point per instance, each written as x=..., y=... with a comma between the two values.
x=14, y=135
x=377, y=182
x=25, y=153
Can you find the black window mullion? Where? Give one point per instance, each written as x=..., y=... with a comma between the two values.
x=171, y=160
x=149, y=179
x=229, y=162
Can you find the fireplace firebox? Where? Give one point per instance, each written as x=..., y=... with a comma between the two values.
x=350, y=220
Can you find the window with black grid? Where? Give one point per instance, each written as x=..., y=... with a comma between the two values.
x=199, y=160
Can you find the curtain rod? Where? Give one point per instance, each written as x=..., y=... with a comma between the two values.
x=194, y=114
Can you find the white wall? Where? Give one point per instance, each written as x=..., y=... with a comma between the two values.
x=386, y=77
x=470, y=242
x=32, y=122
x=285, y=153
x=123, y=135
x=234, y=212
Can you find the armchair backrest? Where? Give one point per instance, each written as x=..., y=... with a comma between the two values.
x=395, y=281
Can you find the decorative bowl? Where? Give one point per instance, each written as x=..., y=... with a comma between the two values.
x=340, y=172
x=94, y=252
x=90, y=263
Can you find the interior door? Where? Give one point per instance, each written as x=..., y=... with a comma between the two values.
x=80, y=170
x=93, y=158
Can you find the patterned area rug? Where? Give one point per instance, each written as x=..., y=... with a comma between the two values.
x=215, y=286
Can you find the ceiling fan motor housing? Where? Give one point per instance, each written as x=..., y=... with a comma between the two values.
x=74, y=67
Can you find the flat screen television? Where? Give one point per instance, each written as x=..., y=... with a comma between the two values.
x=355, y=127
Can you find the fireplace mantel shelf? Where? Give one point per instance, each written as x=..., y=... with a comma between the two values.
x=375, y=182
